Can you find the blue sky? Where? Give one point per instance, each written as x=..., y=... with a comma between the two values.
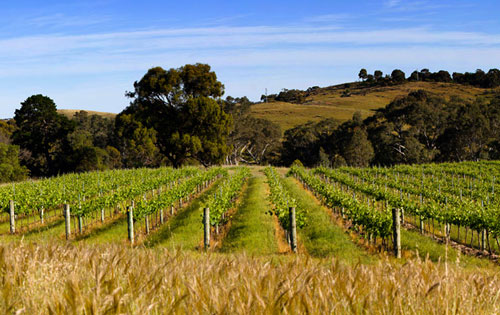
x=86, y=54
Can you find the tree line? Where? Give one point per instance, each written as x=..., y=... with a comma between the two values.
x=178, y=117
x=480, y=78
x=418, y=128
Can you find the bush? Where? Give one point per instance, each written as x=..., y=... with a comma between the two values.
x=10, y=169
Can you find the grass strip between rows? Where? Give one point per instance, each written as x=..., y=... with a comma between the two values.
x=252, y=229
x=321, y=236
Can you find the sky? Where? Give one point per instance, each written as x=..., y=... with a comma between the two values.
x=87, y=54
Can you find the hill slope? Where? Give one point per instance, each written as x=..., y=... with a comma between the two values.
x=70, y=112
x=328, y=102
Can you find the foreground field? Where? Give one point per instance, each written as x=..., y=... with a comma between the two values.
x=344, y=260
x=113, y=279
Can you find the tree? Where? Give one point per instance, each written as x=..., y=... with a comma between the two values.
x=10, y=169
x=254, y=140
x=441, y=76
x=101, y=129
x=378, y=75
x=204, y=133
x=137, y=143
x=6, y=130
x=304, y=142
x=177, y=104
x=398, y=76
x=43, y=133
x=363, y=74
x=359, y=151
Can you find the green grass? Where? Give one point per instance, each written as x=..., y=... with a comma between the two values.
x=426, y=247
x=321, y=236
x=113, y=232
x=184, y=230
x=252, y=229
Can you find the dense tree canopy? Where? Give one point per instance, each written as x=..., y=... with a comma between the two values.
x=180, y=106
x=42, y=133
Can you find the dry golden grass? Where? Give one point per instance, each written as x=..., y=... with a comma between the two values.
x=56, y=278
x=71, y=112
x=328, y=103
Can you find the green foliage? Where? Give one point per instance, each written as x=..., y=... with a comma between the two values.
x=363, y=74
x=6, y=130
x=398, y=76
x=304, y=142
x=224, y=198
x=282, y=201
x=359, y=150
x=254, y=140
x=204, y=133
x=297, y=163
x=374, y=222
x=178, y=106
x=137, y=143
x=176, y=192
x=10, y=169
x=43, y=133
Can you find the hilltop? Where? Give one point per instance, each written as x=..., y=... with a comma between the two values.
x=329, y=102
x=71, y=112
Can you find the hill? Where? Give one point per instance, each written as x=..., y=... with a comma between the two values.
x=70, y=112
x=328, y=102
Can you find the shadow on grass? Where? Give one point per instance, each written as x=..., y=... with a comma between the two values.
x=181, y=219
x=44, y=228
x=103, y=228
x=414, y=242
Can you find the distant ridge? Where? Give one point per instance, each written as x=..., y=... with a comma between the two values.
x=71, y=112
x=329, y=102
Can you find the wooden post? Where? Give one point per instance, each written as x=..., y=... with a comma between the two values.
x=146, y=221
x=161, y=217
x=172, y=210
x=80, y=224
x=12, y=217
x=102, y=215
x=293, y=229
x=421, y=225
x=396, y=229
x=483, y=239
x=67, y=216
x=41, y=215
x=206, y=227
x=130, y=221
x=180, y=203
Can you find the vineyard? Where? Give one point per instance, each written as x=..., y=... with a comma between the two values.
x=437, y=225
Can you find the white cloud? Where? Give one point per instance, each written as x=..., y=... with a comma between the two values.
x=232, y=51
x=329, y=18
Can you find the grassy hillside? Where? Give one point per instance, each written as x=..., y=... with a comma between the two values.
x=70, y=112
x=328, y=102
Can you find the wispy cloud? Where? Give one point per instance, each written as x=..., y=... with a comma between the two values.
x=59, y=20
x=418, y=5
x=392, y=3
x=329, y=18
x=229, y=37
x=236, y=50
